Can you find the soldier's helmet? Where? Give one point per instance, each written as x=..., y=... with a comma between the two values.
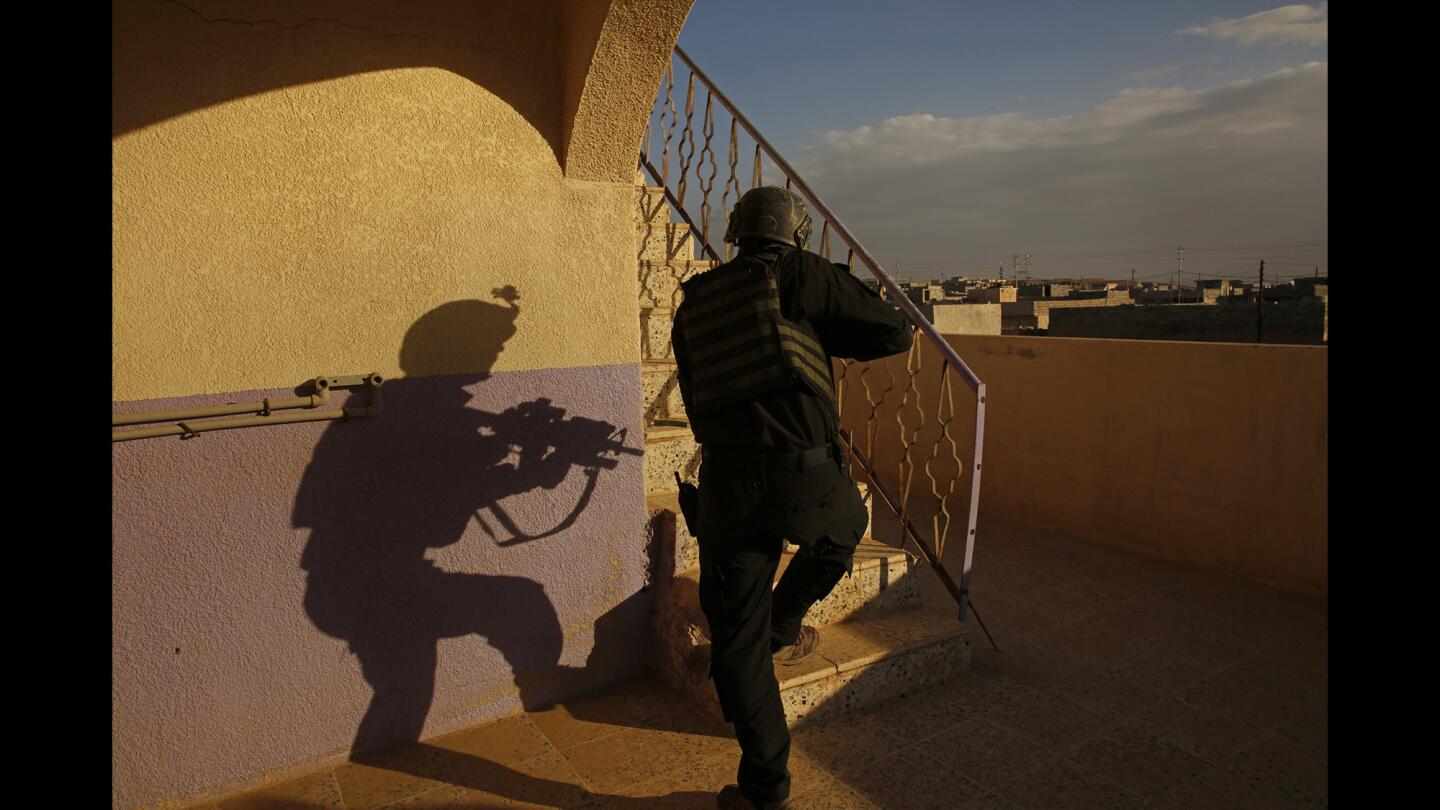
x=770, y=212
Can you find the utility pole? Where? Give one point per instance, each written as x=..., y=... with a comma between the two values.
x=1027, y=266
x=1179, y=268
x=1132, y=278
x=1260, y=305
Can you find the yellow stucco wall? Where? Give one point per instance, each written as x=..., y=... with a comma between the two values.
x=295, y=184
x=1212, y=454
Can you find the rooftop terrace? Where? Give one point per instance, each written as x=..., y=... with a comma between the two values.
x=1123, y=681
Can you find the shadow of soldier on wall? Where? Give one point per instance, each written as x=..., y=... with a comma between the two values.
x=380, y=496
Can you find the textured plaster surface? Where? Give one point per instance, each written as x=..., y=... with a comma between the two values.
x=619, y=85
x=1211, y=454
x=308, y=178
x=267, y=579
x=511, y=49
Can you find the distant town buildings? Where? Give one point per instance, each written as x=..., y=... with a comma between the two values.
x=1000, y=294
x=1296, y=311
x=958, y=318
x=1051, y=289
x=925, y=293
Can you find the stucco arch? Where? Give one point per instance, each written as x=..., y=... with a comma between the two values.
x=616, y=55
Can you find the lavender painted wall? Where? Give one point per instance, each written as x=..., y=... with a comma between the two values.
x=281, y=593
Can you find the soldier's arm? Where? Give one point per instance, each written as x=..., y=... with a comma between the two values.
x=853, y=321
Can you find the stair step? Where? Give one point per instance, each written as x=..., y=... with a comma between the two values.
x=664, y=243
x=655, y=326
x=875, y=644
x=861, y=661
x=698, y=265
x=670, y=449
x=660, y=281
x=881, y=579
x=651, y=204
x=676, y=549
x=661, y=385
x=666, y=433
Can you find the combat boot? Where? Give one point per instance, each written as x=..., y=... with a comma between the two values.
x=804, y=645
x=730, y=798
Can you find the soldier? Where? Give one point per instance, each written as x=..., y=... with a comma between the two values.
x=753, y=341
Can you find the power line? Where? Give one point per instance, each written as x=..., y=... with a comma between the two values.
x=1125, y=255
x=1101, y=255
x=1166, y=250
x=1267, y=247
x=1204, y=268
x=1209, y=261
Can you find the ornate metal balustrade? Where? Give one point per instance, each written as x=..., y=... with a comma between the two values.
x=930, y=439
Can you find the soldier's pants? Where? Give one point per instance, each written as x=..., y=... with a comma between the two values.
x=738, y=560
x=735, y=595
x=746, y=624
x=748, y=506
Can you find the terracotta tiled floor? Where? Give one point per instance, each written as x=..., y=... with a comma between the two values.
x=1124, y=682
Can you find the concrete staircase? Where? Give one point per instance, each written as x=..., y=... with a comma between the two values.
x=874, y=642
x=665, y=253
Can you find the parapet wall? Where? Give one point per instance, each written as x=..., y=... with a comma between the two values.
x=1035, y=312
x=1289, y=322
x=1210, y=454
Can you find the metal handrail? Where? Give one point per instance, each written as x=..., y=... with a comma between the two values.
x=946, y=350
x=680, y=209
x=950, y=358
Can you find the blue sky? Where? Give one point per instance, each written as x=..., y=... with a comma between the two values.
x=1096, y=135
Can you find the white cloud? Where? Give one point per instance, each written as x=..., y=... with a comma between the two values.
x=1286, y=25
x=1242, y=163
x=1151, y=74
x=1133, y=113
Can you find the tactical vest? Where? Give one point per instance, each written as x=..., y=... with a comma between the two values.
x=739, y=345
